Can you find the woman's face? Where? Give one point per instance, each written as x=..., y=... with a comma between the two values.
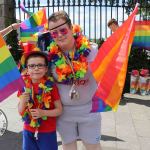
x=62, y=34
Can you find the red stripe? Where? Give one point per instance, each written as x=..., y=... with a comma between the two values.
x=11, y=88
x=143, y=22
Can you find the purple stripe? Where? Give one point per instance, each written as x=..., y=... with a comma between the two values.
x=11, y=88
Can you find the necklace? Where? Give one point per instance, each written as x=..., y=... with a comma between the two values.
x=78, y=59
x=43, y=98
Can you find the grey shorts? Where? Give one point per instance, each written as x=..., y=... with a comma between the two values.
x=89, y=131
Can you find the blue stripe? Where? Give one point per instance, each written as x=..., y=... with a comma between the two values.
x=141, y=44
x=8, y=77
x=32, y=29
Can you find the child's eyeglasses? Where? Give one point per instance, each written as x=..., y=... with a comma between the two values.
x=39, y=66
x=62, y=31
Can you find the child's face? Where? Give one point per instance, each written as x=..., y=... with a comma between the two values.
x=36, y=68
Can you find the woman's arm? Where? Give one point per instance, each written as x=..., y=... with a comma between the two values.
x=38, y=113
x=8, y=29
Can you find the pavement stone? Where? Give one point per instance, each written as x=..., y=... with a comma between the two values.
x=126, y=129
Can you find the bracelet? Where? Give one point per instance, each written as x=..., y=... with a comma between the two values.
x=12, y=27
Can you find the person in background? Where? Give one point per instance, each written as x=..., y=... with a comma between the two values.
x=10, y=28
x=113, y=24
x=39, y=105
x=71, y=53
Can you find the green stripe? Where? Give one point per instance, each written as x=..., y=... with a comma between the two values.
x=7, y=65
x=26, y=34
x=142, y=38
x=33, y=22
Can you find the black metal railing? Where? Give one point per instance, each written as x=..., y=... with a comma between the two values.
x=92, y=15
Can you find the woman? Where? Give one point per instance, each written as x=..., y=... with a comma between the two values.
x=70, y=55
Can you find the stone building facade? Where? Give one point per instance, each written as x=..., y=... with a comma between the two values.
x=7, y=13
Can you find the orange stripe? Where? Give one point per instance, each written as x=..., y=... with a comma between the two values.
x=99, y=72
x=142, y=27
x=115, y=93
x=2, y=42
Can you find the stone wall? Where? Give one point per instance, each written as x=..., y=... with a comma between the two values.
x=7, y=13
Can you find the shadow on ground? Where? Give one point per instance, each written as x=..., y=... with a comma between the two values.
x=138, y=101
x=110, y=138
x=11, y=141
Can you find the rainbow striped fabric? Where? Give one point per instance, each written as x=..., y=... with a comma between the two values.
x=27, y=35
x=142, y=35
x=32, y=25
x=10, y=78
x=110, y=66
x=37, y=19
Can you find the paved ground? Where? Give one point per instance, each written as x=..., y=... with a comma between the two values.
x=126, y=129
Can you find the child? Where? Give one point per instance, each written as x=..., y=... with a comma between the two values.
x=39, y=105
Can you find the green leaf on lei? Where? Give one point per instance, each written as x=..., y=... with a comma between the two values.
x=59, y=62
x=44, y=117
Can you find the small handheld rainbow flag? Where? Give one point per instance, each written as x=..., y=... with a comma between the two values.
x=142, y=34
x=110, y=66
x=37, y=19
x=10, y=78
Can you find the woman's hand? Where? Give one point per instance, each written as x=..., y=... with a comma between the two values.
x=15, y=26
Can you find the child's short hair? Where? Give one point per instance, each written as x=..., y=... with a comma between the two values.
x=112, y=21
x=34, y=54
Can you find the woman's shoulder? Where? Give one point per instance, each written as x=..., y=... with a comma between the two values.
x=93, y=53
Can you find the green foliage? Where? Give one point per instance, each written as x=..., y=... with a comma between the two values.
x=144, y=8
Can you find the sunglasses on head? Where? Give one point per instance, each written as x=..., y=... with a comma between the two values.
x=62, y=31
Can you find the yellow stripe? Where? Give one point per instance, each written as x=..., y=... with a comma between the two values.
x=27, y=39
x=4, y=53
x=98, y=74
x=142, y=33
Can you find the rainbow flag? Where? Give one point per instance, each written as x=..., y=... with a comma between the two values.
x=10, y=78
x=110, y=66
x=37, y=19
x=33, y=25
x=142, y=34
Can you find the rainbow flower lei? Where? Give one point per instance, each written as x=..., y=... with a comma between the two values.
x=78, y=59
x=43, y=97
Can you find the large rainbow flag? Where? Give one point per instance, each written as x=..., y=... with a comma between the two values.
x=10, y=78
x=110, y=66
x=142, y=34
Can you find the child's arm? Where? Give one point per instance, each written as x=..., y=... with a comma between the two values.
x=38, y=113
x=24, y=98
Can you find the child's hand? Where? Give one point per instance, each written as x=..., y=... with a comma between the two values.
x=25, y=97
x=36, y=113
